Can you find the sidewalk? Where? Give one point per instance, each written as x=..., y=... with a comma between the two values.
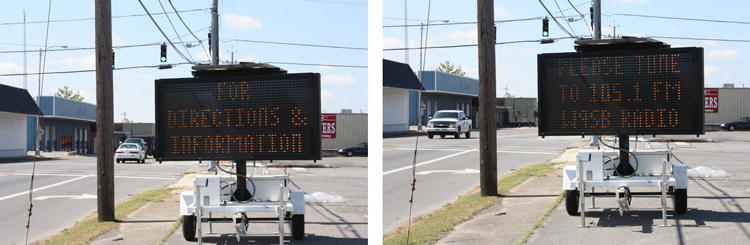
x=507, y=221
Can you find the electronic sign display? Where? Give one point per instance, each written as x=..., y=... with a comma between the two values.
x=624, y=92
x=258, y=117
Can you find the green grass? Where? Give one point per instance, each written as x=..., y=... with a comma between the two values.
x=89, y=228
x=431, y=227
x=171, y=230
x=539, y=221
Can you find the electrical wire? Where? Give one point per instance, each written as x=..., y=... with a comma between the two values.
x=631, y=153
x=165, y=35
x=583, y=18
x=248, y=179
x=295, y=44
x=175, y=30
x=186, y=26
x=565, y=18
x=704, y=39
x=681, y=18
x=82, y=19
x=555, y=19
x=474, y=45
x=312, y=64
x=82, y=71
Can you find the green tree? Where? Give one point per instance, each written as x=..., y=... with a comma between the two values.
x=67, y=93
x=447, y=67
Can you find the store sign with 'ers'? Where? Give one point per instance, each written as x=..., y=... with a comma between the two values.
x=328, y=121
x=258, y=117
x=711, y=97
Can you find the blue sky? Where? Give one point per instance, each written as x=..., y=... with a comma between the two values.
x=725, y=62
x=331, y=23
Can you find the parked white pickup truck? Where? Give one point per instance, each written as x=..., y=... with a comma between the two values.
x=449, y=122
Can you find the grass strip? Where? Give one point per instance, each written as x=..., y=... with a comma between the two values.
x=171, y=230
x=89, y=228
x=539, y=221
x=429, y=228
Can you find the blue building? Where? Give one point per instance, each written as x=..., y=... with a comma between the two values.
x=66, y=124
x=443, y=91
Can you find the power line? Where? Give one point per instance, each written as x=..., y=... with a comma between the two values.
x=565, y=18
x=175, y=30
x=583, y=18
x=186, y=26
x=313, y=64
x=82, y=19
x=474, y=45
x=680, y=18
x=296, y=44
x=555, y=19
x=84, y=71
x=704, y=39
x=467, y=22
x=162, y=32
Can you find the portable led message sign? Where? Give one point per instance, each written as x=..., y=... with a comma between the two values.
x=624, y=92
x=258, y=117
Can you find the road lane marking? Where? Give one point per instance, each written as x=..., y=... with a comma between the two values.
x=387, y=149
x=426, y=162
x=465, y=171
x=116, y=176
x=517, y=135
x=499, y=151
x=45, y=187
x=2, y=174
x=71, y=197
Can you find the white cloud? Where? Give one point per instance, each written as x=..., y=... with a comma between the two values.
x=325, y=68
x=117, y=40
x=249, y=58
x=241, y=22
x=724, y=54
x=83, y=63
x=710, y=70
x=462, y=36
x=338, y=80
x=500, y=13
x=87, y=97
x=326, y=95
x=7, y=67
x=470, y=72
x=711, y=43
x=672, y=31
x=205, y=56
x=392, y=43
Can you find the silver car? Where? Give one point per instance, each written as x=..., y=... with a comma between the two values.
x=130, y=151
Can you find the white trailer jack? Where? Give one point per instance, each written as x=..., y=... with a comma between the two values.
x=213, y=194
x=597, y=168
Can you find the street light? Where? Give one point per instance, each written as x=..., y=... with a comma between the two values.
x=421, y=66
x=39, y=94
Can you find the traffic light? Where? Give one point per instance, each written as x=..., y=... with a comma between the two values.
x=209, y=42
x=545, y=27
x=163, y=53
x=113, y=60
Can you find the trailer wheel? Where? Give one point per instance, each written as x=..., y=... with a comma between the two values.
x=188, y=227
x=680, y=201
x=298, y=226
x=571, y=202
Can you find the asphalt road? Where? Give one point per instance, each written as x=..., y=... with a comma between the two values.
x=65, y=192
x=447, y=168
x=717, y=206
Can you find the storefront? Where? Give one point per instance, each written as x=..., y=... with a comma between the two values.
x=66, y=124
x=443, y=91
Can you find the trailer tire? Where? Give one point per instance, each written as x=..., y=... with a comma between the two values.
x=298, y=226
x=188, y=227
x=680, y=201
x=571, y=202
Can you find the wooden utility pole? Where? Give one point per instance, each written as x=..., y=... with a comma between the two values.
x=105, y=143
x=487, y=102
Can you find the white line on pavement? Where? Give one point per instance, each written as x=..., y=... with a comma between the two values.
x=46, y=187
x=116, y=176
x=426, y=162
x=521, y=152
